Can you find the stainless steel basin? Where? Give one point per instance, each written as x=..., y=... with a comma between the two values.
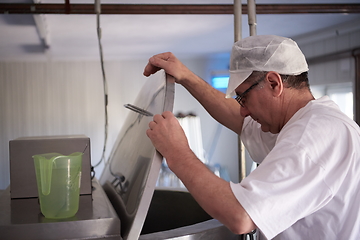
x=174, y=214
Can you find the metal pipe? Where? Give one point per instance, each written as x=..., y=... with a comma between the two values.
x=251, y=10
x=252, y=16
x=237, y=37
x=237, y=20
x=42, y=8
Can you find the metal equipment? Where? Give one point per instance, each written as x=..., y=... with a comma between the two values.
x=130, y=175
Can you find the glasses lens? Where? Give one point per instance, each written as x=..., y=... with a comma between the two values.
x=240, y=100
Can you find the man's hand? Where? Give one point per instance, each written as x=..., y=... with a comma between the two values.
x=170, y=64
x=212, y=193
x=167, y=135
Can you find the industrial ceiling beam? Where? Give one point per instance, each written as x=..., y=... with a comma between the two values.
x=41, y=8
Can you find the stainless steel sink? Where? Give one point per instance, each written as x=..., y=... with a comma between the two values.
x=174, y=214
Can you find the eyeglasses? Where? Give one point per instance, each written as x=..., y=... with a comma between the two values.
x=241, y=98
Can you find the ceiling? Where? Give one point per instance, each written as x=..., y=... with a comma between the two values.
x=74, y=37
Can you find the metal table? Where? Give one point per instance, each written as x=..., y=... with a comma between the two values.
x=22, y=219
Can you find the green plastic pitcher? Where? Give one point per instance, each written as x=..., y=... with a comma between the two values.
x=58, y=179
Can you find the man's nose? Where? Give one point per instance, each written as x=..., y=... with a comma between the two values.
x=244, y=111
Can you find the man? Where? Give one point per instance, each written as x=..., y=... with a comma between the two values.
x=307, y=183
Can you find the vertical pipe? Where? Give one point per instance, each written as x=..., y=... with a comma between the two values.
x=237, y=37
x=237, y=20
x=251, y=9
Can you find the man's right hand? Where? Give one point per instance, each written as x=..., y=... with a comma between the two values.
x=170, y=64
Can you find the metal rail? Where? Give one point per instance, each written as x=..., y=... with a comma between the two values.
x=66, y=8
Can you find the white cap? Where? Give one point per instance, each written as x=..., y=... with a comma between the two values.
x=264, y=53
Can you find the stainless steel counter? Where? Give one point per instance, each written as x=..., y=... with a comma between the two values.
x=22, y=219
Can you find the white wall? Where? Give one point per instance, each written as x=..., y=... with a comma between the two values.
x=340, y=40
x=63, y=98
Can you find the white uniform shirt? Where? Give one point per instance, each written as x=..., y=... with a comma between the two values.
x=308, y=183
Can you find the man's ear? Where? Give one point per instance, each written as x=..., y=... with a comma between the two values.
x=275, y=81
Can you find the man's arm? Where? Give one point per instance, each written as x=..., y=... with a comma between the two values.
x=212, y=193
x=224, y=110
